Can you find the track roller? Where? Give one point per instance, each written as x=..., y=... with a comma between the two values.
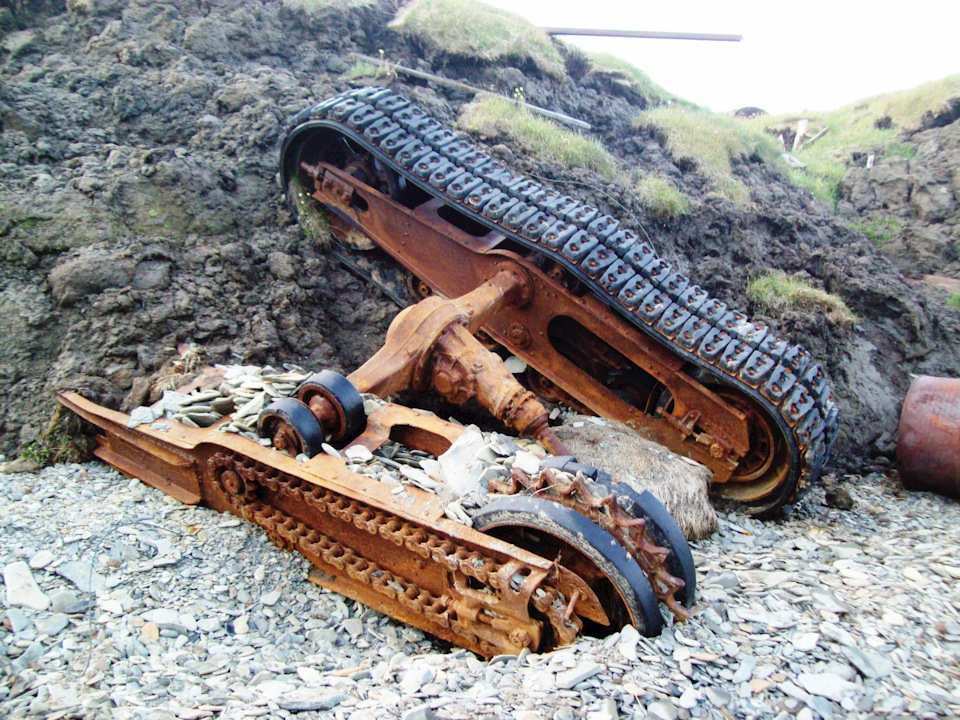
x=559, y=533
x=291, y=427
x=333, y=399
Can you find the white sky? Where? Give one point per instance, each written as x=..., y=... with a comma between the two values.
x=810, y=55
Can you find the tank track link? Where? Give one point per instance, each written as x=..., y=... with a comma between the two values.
x=620, y=268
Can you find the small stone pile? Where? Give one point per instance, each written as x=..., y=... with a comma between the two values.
x=243, y=391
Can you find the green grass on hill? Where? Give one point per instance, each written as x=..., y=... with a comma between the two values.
x=493, y=115
x=660, y=197
x=879, y=230
x=775, y=291
x=315, y=7
x=472, y=29
x=602, y=62
x=872, y=125
x=713, y=142
x=954, y=300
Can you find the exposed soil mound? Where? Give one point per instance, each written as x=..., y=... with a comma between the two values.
x=140, y=210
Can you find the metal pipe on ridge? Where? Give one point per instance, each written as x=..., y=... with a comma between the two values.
x=646, y=34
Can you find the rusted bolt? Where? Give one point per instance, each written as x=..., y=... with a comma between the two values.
x=519, y=336
x=231, y=482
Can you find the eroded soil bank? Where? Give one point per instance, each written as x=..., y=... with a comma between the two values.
x=140, y=211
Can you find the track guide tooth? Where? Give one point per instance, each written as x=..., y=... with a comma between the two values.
x=692, y=332
x=658, y=271
x=604, y=226
x=675, y=284
x=693, y=297
x=557, y=235
x=536, y=225
x=622, y=241
x=781, y=380
x=652, y=307
x=579, y=246
x=713, y=345
x=758, y=366
x=734, y=357
x=600, y=258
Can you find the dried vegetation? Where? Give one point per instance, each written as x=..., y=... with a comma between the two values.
x=869, y=126
x=713, y=143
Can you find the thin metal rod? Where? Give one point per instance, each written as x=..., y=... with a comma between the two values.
x=647, y=34
x=447, y=82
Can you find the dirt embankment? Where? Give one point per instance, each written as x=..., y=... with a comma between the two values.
x=140, y=210
x=911, y=206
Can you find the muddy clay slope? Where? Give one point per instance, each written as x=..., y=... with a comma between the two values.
x=140, y=211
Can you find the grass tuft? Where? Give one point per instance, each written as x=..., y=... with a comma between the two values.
x=879, y=231
x=314, y=8
x=872, y=125
x=713, y=142
x=492, y=116
x=472, y=29
x=608, y=64
x=777, y=292
x=661, y=197
x=311, y=218
x=954, y=300
x=364, y=69
x=64, y=440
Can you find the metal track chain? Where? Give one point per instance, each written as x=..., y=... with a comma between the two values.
x=241, y=478
x=603, y=509
x=620, y=268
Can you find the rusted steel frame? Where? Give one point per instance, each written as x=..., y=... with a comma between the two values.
x=928, y=449
x=193, y=460
x=394, y=558
x=419, y=239
x=431, y=345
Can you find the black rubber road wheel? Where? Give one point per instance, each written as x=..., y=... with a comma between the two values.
x=556, y=532
x=292, y=428
x=346, y=401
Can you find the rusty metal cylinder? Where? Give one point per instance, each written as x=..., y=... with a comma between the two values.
x=928, y=450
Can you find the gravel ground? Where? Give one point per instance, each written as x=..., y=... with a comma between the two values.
x=193, y=614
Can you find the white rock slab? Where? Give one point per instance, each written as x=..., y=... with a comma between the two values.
x=22, y=589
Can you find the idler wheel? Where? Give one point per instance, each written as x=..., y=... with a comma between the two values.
x=559, y=533
x=336, y=403
x=292, y=428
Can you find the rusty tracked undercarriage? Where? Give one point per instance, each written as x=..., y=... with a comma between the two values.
x=496, y=264
x=609, y=327
x=567, y=549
